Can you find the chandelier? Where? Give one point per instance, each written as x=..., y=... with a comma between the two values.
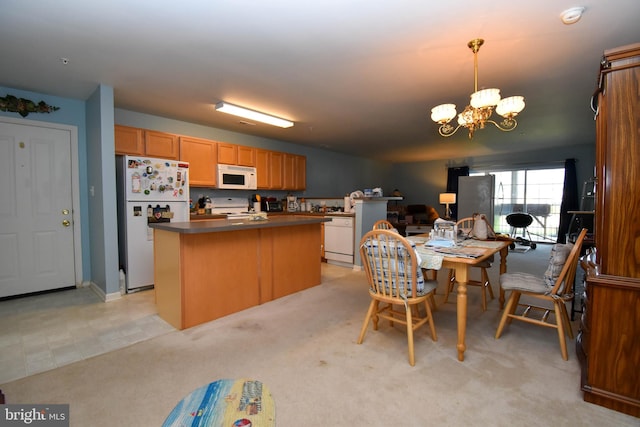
x=481, y=107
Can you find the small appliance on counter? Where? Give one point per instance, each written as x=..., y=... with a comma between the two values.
x=292, y=203
x=271, y=204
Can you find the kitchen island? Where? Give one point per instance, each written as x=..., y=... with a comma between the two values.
x=204, y=270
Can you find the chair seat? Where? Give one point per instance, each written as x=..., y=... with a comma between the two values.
x=523, y=282
x=428, y=287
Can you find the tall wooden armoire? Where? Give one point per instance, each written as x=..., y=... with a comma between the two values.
x=608, y=344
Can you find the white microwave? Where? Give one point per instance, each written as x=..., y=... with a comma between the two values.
x=231, y=177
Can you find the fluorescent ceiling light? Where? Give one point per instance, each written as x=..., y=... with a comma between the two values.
x=225, y=107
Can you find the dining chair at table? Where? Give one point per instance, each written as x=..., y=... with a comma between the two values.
x=383, y=224
x=465, y=228
x=554, y=288
x=396, y=285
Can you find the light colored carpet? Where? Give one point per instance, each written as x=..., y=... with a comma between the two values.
x=304, y=347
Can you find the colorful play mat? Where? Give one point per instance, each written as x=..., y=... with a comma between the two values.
x=225, y=403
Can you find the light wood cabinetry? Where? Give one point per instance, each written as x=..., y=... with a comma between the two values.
x=263, y=172
x=227, y=153
x=161, y=145
x=281, y=171
x=246, y=156
x=289, y=171
x=129, y=140
x=141, y=142
x=608, y=344
x=252, y=266
x=294, y=172
x=301, y=173
x=275, y=170
x=202, y=156
x=232, y=154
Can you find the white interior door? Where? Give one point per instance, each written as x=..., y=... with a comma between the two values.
x=36, y=209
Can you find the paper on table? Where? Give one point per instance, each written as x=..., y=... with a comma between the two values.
x=483, y=243
x=464, y=252
x=440, y=243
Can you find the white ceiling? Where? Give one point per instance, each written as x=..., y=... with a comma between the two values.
x=356, y=76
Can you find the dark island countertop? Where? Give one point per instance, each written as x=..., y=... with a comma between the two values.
x=219, y=225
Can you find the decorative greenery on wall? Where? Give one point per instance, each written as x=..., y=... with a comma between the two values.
x=24, y=106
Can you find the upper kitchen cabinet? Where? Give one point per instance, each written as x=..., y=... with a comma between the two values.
x=276, y=170
x=202, y=156
x=129, y=140
x=294, y=172
x=141, y=142
x=301, y=173
x=246, y=156
x=280, y=171
x=289, y=171
x=232, y=154
x=263, y=171
x=161, y=145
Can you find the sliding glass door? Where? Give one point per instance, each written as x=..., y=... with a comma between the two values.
x=535, y=191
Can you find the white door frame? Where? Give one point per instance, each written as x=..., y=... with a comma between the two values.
x=75, y=186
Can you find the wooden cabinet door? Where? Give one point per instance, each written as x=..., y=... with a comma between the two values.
x=129, y=140
x=246, y=156
x=288, y=171
x=301, y=173
x=227, y=153
x=161, y=145
x=276, y=161
x=618, y=166
x=202, y=157
x=263, y=171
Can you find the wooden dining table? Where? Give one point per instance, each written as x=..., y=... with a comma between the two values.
x=462, y=265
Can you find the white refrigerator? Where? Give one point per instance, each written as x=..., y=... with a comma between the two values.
x=149, y=190
x=476, y=194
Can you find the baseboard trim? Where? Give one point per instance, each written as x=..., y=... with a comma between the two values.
x=102, y=295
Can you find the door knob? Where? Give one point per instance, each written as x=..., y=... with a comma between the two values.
x=66, y=223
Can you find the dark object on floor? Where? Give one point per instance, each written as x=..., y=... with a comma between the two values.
x=520, y=220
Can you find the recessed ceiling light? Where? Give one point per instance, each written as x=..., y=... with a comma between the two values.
x=572, y=15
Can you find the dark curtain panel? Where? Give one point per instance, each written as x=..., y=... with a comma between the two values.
x=452, y=185
x=569, y=199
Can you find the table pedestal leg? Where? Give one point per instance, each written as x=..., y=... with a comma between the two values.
x=462, y=277
x=503, y=269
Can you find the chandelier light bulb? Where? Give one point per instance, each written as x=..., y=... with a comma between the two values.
x=485, y=98
x=443, y=113
x=510, y=107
